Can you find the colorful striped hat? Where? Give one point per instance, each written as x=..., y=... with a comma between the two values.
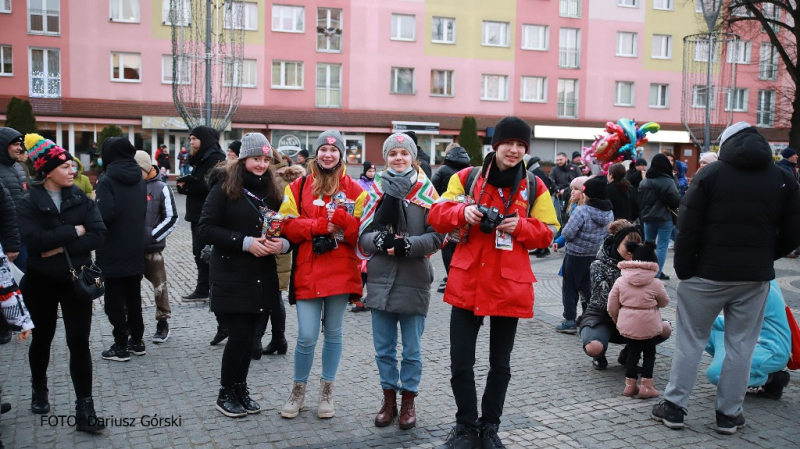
x=45, y=154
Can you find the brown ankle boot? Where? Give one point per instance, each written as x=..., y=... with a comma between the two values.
x=631, y=389
x=647, y=389
x=388, y=410
x=408, y=416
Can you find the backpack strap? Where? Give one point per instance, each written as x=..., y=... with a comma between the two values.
x=300, y=197
x=472, y=178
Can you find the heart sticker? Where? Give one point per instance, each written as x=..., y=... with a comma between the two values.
x=330, y=140
x=265, y=150
x=400, y=139
x=62, y=157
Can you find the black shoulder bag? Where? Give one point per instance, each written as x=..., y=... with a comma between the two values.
x=88, y=283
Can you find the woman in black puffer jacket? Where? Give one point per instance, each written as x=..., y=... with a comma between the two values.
x=657, y=195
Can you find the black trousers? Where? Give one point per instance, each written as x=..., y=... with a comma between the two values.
x=123, y=306
x=242, y=328
x=464, y=327
x=447, y=255
x=645, y=348
x=576, y=286
x=42, y=295
x=203, y=282
x=278, y=316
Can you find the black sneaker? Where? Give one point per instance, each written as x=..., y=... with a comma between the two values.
x=243, y=394
x=663, y=277
x=544, y=252
x=670, y=414
x=462, y=437
x=489, y=437
x=162, y=332
x=117, y=354
x=600, y=362
x=229, y=405
x=728, y=425
x=136, y=348
x=774, y=389
x=442, y=286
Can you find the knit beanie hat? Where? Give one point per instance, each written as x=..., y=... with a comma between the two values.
x=788, y=152
x=303, y=153
x=641, y=161
x=254, y=145
x=596, y=188
x=709, y=157
x=368, y=165
x=643, y=253
x=578, y=182
x=512, y=128
x=235, y=146
x=144, y=161
x=330, y=137
x=399, y=140
x=732, y=130
x=576, y=154
x=45, y=154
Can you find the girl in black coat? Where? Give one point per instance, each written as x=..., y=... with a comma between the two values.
x=244, y=276
x=623, y=201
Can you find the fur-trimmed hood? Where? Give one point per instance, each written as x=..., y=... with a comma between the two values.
x=637, y=272
x=291, y=173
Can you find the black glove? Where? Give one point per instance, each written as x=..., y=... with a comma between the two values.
x=384, y=240
x=402, y=247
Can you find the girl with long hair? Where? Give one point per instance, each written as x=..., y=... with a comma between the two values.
x=623, y=202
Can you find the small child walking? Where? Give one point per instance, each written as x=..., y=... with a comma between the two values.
x=633, y=305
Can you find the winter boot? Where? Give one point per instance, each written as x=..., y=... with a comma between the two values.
x=228, y=403
x=489, y=437
x=647, y=390
x=40, y=404
x=631, y=389
x=222, y=334
x=295, y=403
x=86, y=419
x=388, y=410
x=243, y=394
x=408, y=415
x=325, y=409
x=277, y=344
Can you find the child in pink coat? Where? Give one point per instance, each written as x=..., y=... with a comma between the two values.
x=633, y=304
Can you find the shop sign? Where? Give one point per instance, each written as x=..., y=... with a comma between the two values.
x=417, y=127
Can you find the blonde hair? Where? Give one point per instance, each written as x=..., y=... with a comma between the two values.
x=577, y=184
x=450, y=147
x=325, y=184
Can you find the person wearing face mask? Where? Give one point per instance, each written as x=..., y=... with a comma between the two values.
x=396, y=240
x=321, y=213
x=82, y=180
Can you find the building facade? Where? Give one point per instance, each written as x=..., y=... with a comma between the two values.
x=369, y=68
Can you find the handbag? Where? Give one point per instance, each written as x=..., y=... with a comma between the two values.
x=88, y=283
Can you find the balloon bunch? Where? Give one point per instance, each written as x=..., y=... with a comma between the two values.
x=617, y=143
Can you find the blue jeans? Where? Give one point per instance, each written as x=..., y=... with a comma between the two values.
x=384, y=336
x=309, y=312
x=659, y=232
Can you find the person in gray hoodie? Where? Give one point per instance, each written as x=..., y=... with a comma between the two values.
x=397, y=240
x=584, y=233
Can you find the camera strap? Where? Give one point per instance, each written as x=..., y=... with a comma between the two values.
x=507, y=204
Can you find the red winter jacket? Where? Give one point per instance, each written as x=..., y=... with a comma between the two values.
x=335, y=272
x=483, y=279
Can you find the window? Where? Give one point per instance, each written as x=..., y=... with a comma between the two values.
x=444, y=30
x=181, y=16
x=329, y=30
x=701, y=51
x=441, y=83
x=569, y=8
x=659, y=95
x=567, y=98
x=736, y=100
x=6, y=61
x=124, y=11
x=5, y=6
x=403, y=27
x=770, y=11
x=765, y=115
x=698, y=6
x=700, y=96
x=402, y=81
x=44, y=17
x=495, y=34
x=667, y=5
x=627, y=3
x=740, y=11
x=288, y=19
x=662, y=46
x=535, y=37
x=624, y=94
x=329, y=86
x=182, y=74
x=626, y=44
x=287, y=75
x=45, y=73
x=739, y=52
x=494, y=88
x=241, y=15
x=126, y=67
x=244, y=74
x=534, y=89
x=768, y=63
x=569, y=53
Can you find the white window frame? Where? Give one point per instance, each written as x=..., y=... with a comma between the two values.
x=186, y=15
x=449, y=82
x=502, y=87
x=768, y=70
x=621, y=51
x=299, y=66
x=444, y=21
x=121, y=57
x=569, y=57
x=45, y=13
x=664, y=5
x=570, y=8
x=618, y=94
x=329, y=48
x=5, y=7
x=505, y=37
x=248, y=66
x=698, y=7
x=327, y=88
x=760, y=112
x=135, y=6
x=3, y=60
x=395, y=81
x=541, y=89
x=249, y=14
x=543, y=32
x=771, y=11
x=45, y=74
x=296, y=12
x=628, y=3
x=561, y=101
x=697, y=95
x=398, y=28
x=742, y=51
x=732, y=97
x=702, y=56
x=662, y=93
x=668, y=50
x=184, y=77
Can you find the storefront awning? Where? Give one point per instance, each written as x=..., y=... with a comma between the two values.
x=586, y=133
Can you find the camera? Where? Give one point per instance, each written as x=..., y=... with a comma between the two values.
x=321, y=244
x=491, y=219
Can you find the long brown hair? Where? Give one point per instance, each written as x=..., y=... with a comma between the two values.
x=233, y=182
x=325, y=184
x=617, y=172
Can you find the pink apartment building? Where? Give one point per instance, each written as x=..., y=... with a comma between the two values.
x=369, y=68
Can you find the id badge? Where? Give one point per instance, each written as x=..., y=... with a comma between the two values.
x=503, y=241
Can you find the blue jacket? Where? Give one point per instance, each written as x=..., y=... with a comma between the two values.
x=586, y=228
x=774, y=343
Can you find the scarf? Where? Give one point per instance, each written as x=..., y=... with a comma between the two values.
x=510, y=177
x=390, y=214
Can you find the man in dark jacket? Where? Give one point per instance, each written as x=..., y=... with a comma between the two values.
x=562, y=174
x=789, y=161
x=739, y=215
x=14, y=177
x=122, y=200
x=203, y=157
x=635, y=173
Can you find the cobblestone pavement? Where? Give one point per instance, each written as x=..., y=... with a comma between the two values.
x=555, y=398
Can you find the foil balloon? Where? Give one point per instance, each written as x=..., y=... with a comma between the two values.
x=618, y=142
